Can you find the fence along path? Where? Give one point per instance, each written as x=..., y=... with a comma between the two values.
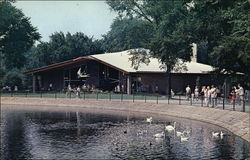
x=219, y=103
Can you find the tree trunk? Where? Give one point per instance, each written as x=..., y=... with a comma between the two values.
x=168, y=74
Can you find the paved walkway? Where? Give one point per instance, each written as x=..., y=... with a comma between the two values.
x=234, y=121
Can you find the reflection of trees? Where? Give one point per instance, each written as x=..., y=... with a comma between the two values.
x=14, y=144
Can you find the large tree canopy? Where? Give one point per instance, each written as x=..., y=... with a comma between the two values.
x=172, y=31
x=126, y=34
x=17, y=35
x=222, y=25
x=64, y=47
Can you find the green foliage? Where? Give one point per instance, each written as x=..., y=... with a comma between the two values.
x=14, y=78
x=17, y=35
x=169, y=22
x=220, y=27
x=127, y=34
x=224, y=26
x=64, y=47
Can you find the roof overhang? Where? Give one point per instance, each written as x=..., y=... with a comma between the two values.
x=58, y=65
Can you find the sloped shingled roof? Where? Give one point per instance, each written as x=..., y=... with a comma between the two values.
x=120, y=61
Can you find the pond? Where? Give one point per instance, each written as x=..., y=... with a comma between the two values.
x=79, y=134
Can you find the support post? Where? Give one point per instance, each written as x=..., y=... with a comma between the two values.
x=244, y=103
x=223, y=103
x=128, y=84
x=34, y=83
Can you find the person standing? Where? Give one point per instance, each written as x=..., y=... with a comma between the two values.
x=196, y=93
x=50, y=87
x=208, y=96
x=233, y=95
x=188, y=92
x=241, y=93
x=78, y=91
x=213, y=95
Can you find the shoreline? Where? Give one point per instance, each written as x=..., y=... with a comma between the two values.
x=234, y=121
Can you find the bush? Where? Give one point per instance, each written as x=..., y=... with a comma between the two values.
x=13, y=78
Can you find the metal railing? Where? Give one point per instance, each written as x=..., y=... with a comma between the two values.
x=219, y=103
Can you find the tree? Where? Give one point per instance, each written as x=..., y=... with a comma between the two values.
x=224, y=26
x=170, y=22
x=127, y=33
x=221, y=26
x=17, y=35
x=65, y=47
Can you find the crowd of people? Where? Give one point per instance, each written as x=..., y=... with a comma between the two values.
x=212, y=93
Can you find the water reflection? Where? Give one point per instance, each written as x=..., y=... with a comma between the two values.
x=78, y=135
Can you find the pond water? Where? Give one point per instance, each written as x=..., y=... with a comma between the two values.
x=37, y=134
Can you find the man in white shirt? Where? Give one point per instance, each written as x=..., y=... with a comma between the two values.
x=240, y=92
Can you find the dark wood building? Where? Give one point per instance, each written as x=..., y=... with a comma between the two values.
x=111, y=71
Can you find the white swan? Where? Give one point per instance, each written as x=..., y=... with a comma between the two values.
x=184, y=139
x=159, y=135
x=179, y=133
x=170, y=128
x=149, y=120
x=215, y=134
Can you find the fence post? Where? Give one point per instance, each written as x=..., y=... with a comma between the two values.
x=223, y=103
x=168, y=98
x=41, y=94
x=96, y=95
x=179, y=99
x=69, y=95
x=55, y=95
x=244, y=104
x=212, y=102
x=234, y=105
x=202, y=101
x=84, y=95
x=121, y=97
x=145, y=98
x=26, y=94
x=133, y=98
x=11, y=93
x=109, y=96
x=191, y=102
x=156, y=99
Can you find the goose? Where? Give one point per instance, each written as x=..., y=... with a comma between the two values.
x=184, y=139
x=159, y=135
x=170, y=128
x=215, y=134
x=150, y=119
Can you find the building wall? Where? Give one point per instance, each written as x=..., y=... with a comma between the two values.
x=178, y=81
x=55, y=77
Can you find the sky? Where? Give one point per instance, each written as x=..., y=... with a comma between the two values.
x=93, y=18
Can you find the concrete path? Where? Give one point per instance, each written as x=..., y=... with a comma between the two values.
x=234, y=121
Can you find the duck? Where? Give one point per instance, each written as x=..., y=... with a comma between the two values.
x=170, y=128
x=215, y=134
x=159, y=135
x=149, y=120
